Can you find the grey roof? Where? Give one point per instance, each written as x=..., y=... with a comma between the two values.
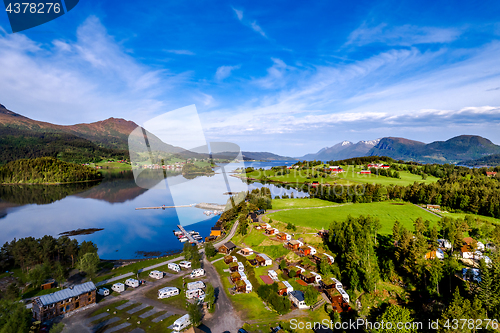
x=67, y=293
x=263, y=256
x=299, y=295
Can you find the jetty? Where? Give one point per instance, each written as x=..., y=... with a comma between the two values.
x=187, y=234
x=163, y=207
x=210, y=206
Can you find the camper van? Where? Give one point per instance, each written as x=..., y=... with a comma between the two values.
x=167, y=292
x=195, y=285
x=192, y=293
x=241, y=267
x=103, y=291
x=132, y=283
x=185, y=264
x=181, y=323
x=156, y=275
x=118, y=287
x=197, y=272
x=173, y=266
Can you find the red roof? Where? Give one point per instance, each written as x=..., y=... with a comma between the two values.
x=266, y=279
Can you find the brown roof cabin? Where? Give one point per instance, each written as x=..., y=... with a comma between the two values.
x=491, y=173
x=304, y=250
x=227, y=247
x=48, y=284
x=293, y=244
x=320, y=256
x=270, y=231
x=281, y=236
x=323, y=233
x=260, y=261
x=307, y=277
x=63, y=301
x=246, y=251
x=233, y=267
x=263, y=225
x=210, y=238
x=241, y=286
x=470, y=241
x=338, y=303
x=235, y=277
x=228, y=259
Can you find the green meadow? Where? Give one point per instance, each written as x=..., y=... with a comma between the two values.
x=386, y=212
x=301, y=203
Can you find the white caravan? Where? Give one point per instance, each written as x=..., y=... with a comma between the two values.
x=132, y=283
x=181, y=323
x=156, y=275
x=173, y=266
x=118, y=287
x=197, y=272
x=192, y=293
x=195, y=285
x=185, y=264
x=103, y=291
x=167, y=292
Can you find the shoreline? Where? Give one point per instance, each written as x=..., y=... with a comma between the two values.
x=59, y=183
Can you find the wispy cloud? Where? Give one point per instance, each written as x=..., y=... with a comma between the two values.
x=239, y=13
x=254, y=25
x=258, y=29
x=224, y=72
x=405, y=35
x=185, y=52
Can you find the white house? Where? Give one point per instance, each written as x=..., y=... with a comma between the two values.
x=248, y=285
x=173, y=266
x=132, y=283
x=156, y=275
x=197, y=272
x=268, y=260
x=181, y=323
x=103, y=291
x=195, y=285
x=273, y=275
x=444, y=243
x=317, y=277
x=297, y=298
x=167, y=292
x=480, y=246
x=241, y=267
x=313, y=250
x=185, y=264
x=118, y=287
x=345, y=296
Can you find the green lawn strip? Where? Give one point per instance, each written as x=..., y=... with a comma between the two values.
x=407, y=178
x=294, y=177
x=217, y=256
x=133, y=319
x=462, y=216
x=386, y=212
x=178, y=301
x=162, y=325
x=300, y=203
x=139, y=265
x=273, y=251
x=254, y=238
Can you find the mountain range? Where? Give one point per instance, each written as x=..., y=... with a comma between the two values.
x=455, y=150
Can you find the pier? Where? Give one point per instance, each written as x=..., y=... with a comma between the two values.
x=188, y=235
x=163, y=207
x=210, y=206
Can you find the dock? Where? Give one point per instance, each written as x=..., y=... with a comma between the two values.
x=163, y=207
x=210, y=206
x=188, y=235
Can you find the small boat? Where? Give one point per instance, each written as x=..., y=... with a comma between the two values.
x=183, y=239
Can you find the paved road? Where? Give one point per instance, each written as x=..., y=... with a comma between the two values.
x=229, y=236
x=427, y=210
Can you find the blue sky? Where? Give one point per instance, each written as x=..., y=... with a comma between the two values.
x=281, y=76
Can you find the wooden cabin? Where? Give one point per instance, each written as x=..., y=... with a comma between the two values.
x=283, y=236
x=227, y=247
x=293, y=244
x=235, y=277
x=270, y=231
x=304, y=250
x=320, y=256
x=48, y=284
x=63, y=301
x=228, y=259
x=307, y=277
x=241, y=286
x=247, y=251
x=233, y=267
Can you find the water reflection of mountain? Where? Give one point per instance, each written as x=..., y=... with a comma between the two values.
x=41, y=194
x=116, y=187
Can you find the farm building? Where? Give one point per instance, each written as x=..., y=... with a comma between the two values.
x=284, y=287
x=227, y=247
x=63, y=301
x=435, y=254
x=233, y=267
x=263, y=260
x=297, y=298
x=246, y=252
x=283, y=236
x=330, y=283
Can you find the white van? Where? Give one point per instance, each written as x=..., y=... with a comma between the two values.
x=173, y=266
x=132, y=283
x=167, y=292
x=118, y=287
x=192, y=293
x=156, y=275
x=181, y=323
x=185, y=264
x=197, y=272
x=195, y=285
x=103, y=291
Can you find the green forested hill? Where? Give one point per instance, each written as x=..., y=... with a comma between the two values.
x=45, y=170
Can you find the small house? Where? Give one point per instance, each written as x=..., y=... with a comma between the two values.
x=215, y=231
x=241, y=286
x=118, y=287
x=297, y=298
x=227, y=247
x=167, y=292
x=294, y=244
x=265, y=226
x=235, y=277
x=210, y=238
x=173, y=266
x=284, y=287
x=228, y=259
x=264, y=260
x=247, y=251
x=156, y=275
x=283, y=236
x=307, y=277
x=195, y=285
x=48, y=284
x=466, y=252
x=304, y=250
x=271, y=231
x=273, y=275
x=132, y=283
x=233, y=267
x=330, y=283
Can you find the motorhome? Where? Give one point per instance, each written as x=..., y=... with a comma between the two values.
x=192, y=293
x=197, y=272
x=167, y=292
x=118, y=287
x=181, y=323
x=103, y=291
x=156, y=275
x=132, y=283
x=195, y=285
x=173, y=266
x=185, y=264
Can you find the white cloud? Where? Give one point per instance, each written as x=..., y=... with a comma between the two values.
x=406, y=35
x=255, y=27
x=258, y=29
x=239, y=13
x=224, y=72
x=184, y=52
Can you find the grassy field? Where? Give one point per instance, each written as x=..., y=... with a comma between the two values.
x=462, y=216
x=387, y=212
x=406, y=178
x=300, y=203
